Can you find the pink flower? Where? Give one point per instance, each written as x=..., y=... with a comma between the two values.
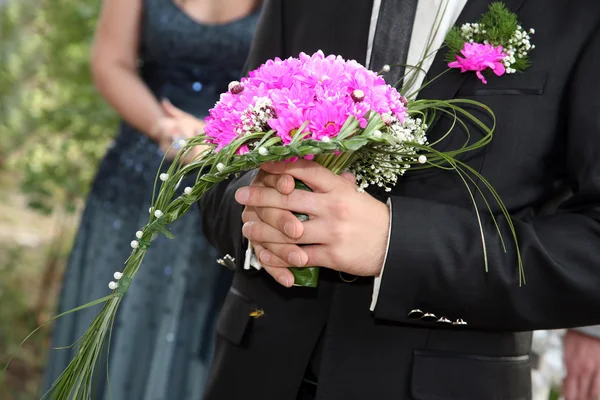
x=327, y=118
x=276, y=73
x=314, y=91
x=287, y=123
x=478, y=57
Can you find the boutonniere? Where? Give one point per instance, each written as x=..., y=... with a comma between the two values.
x=496, y=42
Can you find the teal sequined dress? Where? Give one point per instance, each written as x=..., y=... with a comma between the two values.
x=163, y=336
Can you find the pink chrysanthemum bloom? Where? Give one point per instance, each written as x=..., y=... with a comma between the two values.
x=318, y=69
x=288, y=123
x=478, y=57
x=276, y=74
x=327, y=118
x=316, y=91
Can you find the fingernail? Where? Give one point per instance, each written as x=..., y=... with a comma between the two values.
x=265, y=256
x=247, y=229
x=294, y=259
x=242, y=195
x=290, y=229
x=284, y=280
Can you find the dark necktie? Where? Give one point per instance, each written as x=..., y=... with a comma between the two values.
x=390, y=46
x=392, y=37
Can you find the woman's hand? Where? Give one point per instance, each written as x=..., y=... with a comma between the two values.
x=176, y=125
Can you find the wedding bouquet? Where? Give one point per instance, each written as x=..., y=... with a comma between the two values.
x=326, y=109
x=333, y=111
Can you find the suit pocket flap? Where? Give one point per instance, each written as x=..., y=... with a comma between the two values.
x=520, y=83
x=453, y=376
x=235, y=316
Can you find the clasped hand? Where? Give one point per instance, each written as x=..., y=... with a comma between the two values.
x=177, y=124
x=346, y=230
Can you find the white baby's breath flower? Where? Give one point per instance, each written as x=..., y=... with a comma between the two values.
x=263, y=151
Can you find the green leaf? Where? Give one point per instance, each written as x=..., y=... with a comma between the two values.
x=355, y=143
x=165, y=231
x=454, y=42
x=328, y=146
x=306, y=276
x=278, y=150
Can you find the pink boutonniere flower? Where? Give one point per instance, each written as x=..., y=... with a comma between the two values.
x=497, y=42
x=479, y=57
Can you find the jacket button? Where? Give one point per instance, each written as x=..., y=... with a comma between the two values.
x=429, y=317
x=415, y=314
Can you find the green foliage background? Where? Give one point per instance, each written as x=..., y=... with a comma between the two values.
x=54, y=128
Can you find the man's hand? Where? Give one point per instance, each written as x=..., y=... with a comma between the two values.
x=582, y=361
x=346, y=230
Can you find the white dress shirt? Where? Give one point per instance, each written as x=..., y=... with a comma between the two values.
x=423, y=29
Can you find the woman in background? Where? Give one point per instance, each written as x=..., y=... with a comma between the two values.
x=152, y=59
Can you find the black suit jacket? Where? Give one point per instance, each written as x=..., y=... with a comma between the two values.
x=547, y=139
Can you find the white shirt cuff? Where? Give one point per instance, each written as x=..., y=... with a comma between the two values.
x=377, y=282
x=251, y=261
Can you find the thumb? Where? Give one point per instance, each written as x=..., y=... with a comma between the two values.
x=170, y=110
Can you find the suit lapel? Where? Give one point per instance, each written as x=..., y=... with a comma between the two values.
x=447, y=85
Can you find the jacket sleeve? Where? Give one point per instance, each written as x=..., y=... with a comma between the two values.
x=221, y=214
x=435, y=247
